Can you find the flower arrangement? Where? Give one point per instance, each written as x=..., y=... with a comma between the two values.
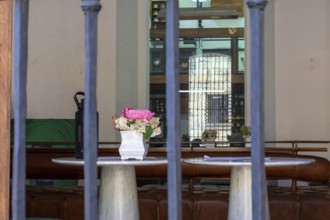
x=140, y=120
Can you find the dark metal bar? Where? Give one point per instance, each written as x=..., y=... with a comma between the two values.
x=21, y=13
x=173, y=146
x=259, y=191
x=91, y=9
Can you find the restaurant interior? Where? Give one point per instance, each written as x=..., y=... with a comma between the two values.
x=214, y=67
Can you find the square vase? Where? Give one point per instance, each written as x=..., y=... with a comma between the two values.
x=132, y=145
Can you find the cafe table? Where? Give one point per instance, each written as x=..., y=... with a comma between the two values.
x=240, y=196
x=118, y=192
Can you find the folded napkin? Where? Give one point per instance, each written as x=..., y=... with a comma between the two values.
x=230, y=158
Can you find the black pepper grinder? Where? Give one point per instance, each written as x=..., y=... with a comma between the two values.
x=79, y=126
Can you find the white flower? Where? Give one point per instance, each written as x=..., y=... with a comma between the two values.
x=121, y=123
x=156, y=131
x=154, y=122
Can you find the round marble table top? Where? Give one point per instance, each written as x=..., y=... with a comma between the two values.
x=246, y=161
x=108, y=161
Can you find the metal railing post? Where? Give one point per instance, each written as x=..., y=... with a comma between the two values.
x=91, y=9
x=173, y=111
x=260, y=210
x=21, y=16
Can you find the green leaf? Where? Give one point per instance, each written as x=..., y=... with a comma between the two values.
x=245, y=131
x=148, y=133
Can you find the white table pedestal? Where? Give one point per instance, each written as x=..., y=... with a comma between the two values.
x=118, y=194
x=240, y=199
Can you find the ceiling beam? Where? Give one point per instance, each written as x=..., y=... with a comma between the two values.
x=237, y=4
x=204, y=13
x=201, y=32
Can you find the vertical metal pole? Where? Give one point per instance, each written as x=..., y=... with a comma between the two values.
x=20, y=76
x=173, y=111
x=259, y=190
x=91, y=9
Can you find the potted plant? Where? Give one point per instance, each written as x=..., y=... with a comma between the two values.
x=246, y=132
x=135, y=126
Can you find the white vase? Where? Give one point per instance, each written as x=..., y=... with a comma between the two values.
x=248, y=139
x=132, y=145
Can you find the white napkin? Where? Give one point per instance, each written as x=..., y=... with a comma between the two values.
x=231, y=158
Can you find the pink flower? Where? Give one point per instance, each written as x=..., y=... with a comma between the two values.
x=134, y=114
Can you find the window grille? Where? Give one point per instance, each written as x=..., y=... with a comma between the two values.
x=218, y=109
x=209, y=95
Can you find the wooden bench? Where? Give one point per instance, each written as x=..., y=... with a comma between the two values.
x=199, y=201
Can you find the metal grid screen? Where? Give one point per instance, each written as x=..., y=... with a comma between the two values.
x=210, y=95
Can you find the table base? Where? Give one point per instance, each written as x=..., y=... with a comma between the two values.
x=118, y=194
x=240, y=199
